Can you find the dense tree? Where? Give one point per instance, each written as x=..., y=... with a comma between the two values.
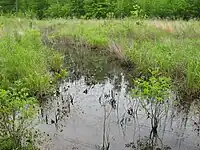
x=8, y=5
x=103, y=8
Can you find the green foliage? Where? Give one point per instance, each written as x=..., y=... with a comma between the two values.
x=185, y=9
x=155, y=89
x=76, y=8
x=56, y=62
x=172, y=9
x=17, y=111
x=24, y=57
x=36, y=6
x=137, y=12
x=94, y=9
x=57, y=10
x=153, y=94
x=123, y=8
x=7, y=5
x=60, y=75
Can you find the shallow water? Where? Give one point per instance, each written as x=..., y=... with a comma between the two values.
x=93, y=108
x=75, y=119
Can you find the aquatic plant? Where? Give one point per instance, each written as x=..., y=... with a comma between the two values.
x=153, y=95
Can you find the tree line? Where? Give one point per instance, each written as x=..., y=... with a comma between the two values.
x=172, y=9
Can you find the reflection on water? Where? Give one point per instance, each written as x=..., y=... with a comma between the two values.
x=91, y=116
x=93, y=109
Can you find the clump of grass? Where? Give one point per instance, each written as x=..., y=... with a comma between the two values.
x=25, y=58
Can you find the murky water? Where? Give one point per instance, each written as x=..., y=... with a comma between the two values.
x=85, y=116
x=93, y=109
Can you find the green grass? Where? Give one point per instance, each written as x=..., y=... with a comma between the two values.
x=173, y=46
x=28, y=70
x=24, y=57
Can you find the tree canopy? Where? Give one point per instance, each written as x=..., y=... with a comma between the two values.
x=172, y=9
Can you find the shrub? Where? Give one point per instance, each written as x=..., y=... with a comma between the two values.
x=96, y=10
x=17, y=111
x=57, y=10
x=153, y=95
x=24, y=57
x=175, y=9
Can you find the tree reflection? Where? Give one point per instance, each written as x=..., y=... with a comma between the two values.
x=153, y=96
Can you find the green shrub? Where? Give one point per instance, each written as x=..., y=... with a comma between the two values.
x=96, y=9
x=172, y=9
x=24, y=57
x=17, y=111
x=154, y=89
x=153, y=95
x=57, y=10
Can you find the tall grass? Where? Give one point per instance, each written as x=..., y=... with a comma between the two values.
x=170, y=45
x=173, y=46
x=28, y=69
x=23, y=57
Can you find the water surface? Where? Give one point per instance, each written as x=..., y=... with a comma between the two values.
x=93, y=108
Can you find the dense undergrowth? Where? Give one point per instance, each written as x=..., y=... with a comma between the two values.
x=27, y=70
x=173, y=9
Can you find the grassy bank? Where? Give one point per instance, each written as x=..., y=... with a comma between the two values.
x=28, y=70
x=23, y=57
x=173, y=46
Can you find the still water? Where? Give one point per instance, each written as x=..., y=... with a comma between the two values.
x=94, y=110
x=84, y=117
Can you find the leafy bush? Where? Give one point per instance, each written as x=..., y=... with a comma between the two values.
x=96, y=10
x=175, y=9
x=24, y=57
x=154, y=89
x=153, y=94
x=17, y=111
x=185, y=9
x=57, y=10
